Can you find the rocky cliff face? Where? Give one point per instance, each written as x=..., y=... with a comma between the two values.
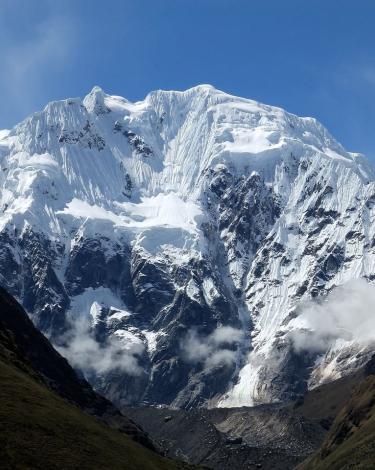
x=165, y=246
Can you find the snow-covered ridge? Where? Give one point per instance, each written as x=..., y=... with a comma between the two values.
x=186, y=215
x=165, y=143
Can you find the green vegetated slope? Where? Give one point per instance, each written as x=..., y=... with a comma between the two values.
x=39, y=430
x=322, y=404
x=350, y=443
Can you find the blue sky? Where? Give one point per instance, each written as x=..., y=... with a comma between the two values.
x=311, y=57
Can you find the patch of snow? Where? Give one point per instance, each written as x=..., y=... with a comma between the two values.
x=4, y=133
x=128, y=340
x=210, y=291
x=151, y=337
x=192, y=290
x=168, y=210
x=91, y=302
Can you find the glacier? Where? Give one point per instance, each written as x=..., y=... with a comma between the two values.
x=187, y=213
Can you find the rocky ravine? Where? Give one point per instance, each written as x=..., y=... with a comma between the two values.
x=164, y=246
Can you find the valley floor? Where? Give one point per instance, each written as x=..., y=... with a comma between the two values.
x=271, y=437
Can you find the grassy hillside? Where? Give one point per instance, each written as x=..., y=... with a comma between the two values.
x=350, y=443
x=322, y=404
x=40, y=430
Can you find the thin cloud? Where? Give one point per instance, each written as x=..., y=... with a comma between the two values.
x=217, y=349
x=354, y=74
x=85, y=353
x=30, y=60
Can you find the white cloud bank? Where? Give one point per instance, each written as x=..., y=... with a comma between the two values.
x=347, y=314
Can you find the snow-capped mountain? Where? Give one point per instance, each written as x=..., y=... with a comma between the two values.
x=165, y=245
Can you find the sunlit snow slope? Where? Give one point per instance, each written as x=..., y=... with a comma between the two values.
x=165, y=245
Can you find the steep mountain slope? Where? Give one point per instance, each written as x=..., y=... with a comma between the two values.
x=40, y=430
x=24, y=347
x=165, y=245
x=351, y=440
x=45, y=409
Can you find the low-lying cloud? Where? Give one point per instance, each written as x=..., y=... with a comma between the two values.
x=216, y=349
x=90, y=356
x=347, y=314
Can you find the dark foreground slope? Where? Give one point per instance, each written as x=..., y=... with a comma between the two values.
x=24, y=346
x=350, y=443
x=44, y=413
x=40, y=430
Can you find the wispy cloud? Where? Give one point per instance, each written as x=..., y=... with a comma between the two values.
x=354, y=75
x=217, y=349
x=92, y=357
x=33, y=56
x=367, y=74
x=49, y=46
x=342, y=99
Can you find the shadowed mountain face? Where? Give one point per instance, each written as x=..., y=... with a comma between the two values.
x=133, y=233
x=49, y=418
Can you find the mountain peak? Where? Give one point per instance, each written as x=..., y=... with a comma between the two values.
x=96, y=89
x=94, y=101
x=203, y=87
